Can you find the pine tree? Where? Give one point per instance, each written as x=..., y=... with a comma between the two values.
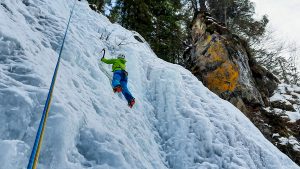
x=167, y=35
x=134, y=15
x=157, y=21
x=99, y=5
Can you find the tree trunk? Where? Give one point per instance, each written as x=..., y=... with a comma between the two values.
x=225, y=16
x=202, y=6
x=195, y=5
x=284, y=73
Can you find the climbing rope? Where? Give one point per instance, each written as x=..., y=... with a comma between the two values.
x=33, y=160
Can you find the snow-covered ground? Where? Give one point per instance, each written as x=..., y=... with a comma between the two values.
x=288, y=95
x=176, y=122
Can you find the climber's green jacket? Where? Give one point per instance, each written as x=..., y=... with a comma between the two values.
x=118, y=64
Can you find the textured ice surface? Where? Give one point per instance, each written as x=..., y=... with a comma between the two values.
x=176, y=122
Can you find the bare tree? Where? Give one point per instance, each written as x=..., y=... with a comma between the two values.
x=277, y=56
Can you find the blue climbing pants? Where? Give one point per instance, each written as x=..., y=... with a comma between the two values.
x=120, y=78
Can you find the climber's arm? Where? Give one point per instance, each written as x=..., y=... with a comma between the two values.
x=108, y=61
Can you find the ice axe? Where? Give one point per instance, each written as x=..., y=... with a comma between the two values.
x=103, y=52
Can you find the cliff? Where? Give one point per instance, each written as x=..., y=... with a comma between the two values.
x=223, y=62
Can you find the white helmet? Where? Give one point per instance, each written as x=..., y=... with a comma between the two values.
x=121, y=56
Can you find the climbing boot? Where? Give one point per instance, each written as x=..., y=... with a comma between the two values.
x=117, y=89
x=131, y=103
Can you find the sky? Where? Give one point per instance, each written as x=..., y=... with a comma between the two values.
x=283, y=20
x=284, y=17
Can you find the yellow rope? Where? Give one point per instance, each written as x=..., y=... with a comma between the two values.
x=36, y=158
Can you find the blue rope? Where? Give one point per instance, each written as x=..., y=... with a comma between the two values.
x=38, y=139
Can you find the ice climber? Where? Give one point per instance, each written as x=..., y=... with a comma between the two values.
x=120, y=78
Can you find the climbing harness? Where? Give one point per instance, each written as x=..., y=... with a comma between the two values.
x=33, y=160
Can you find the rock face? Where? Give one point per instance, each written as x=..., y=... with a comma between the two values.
x=223, y=63
x=285, y=107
